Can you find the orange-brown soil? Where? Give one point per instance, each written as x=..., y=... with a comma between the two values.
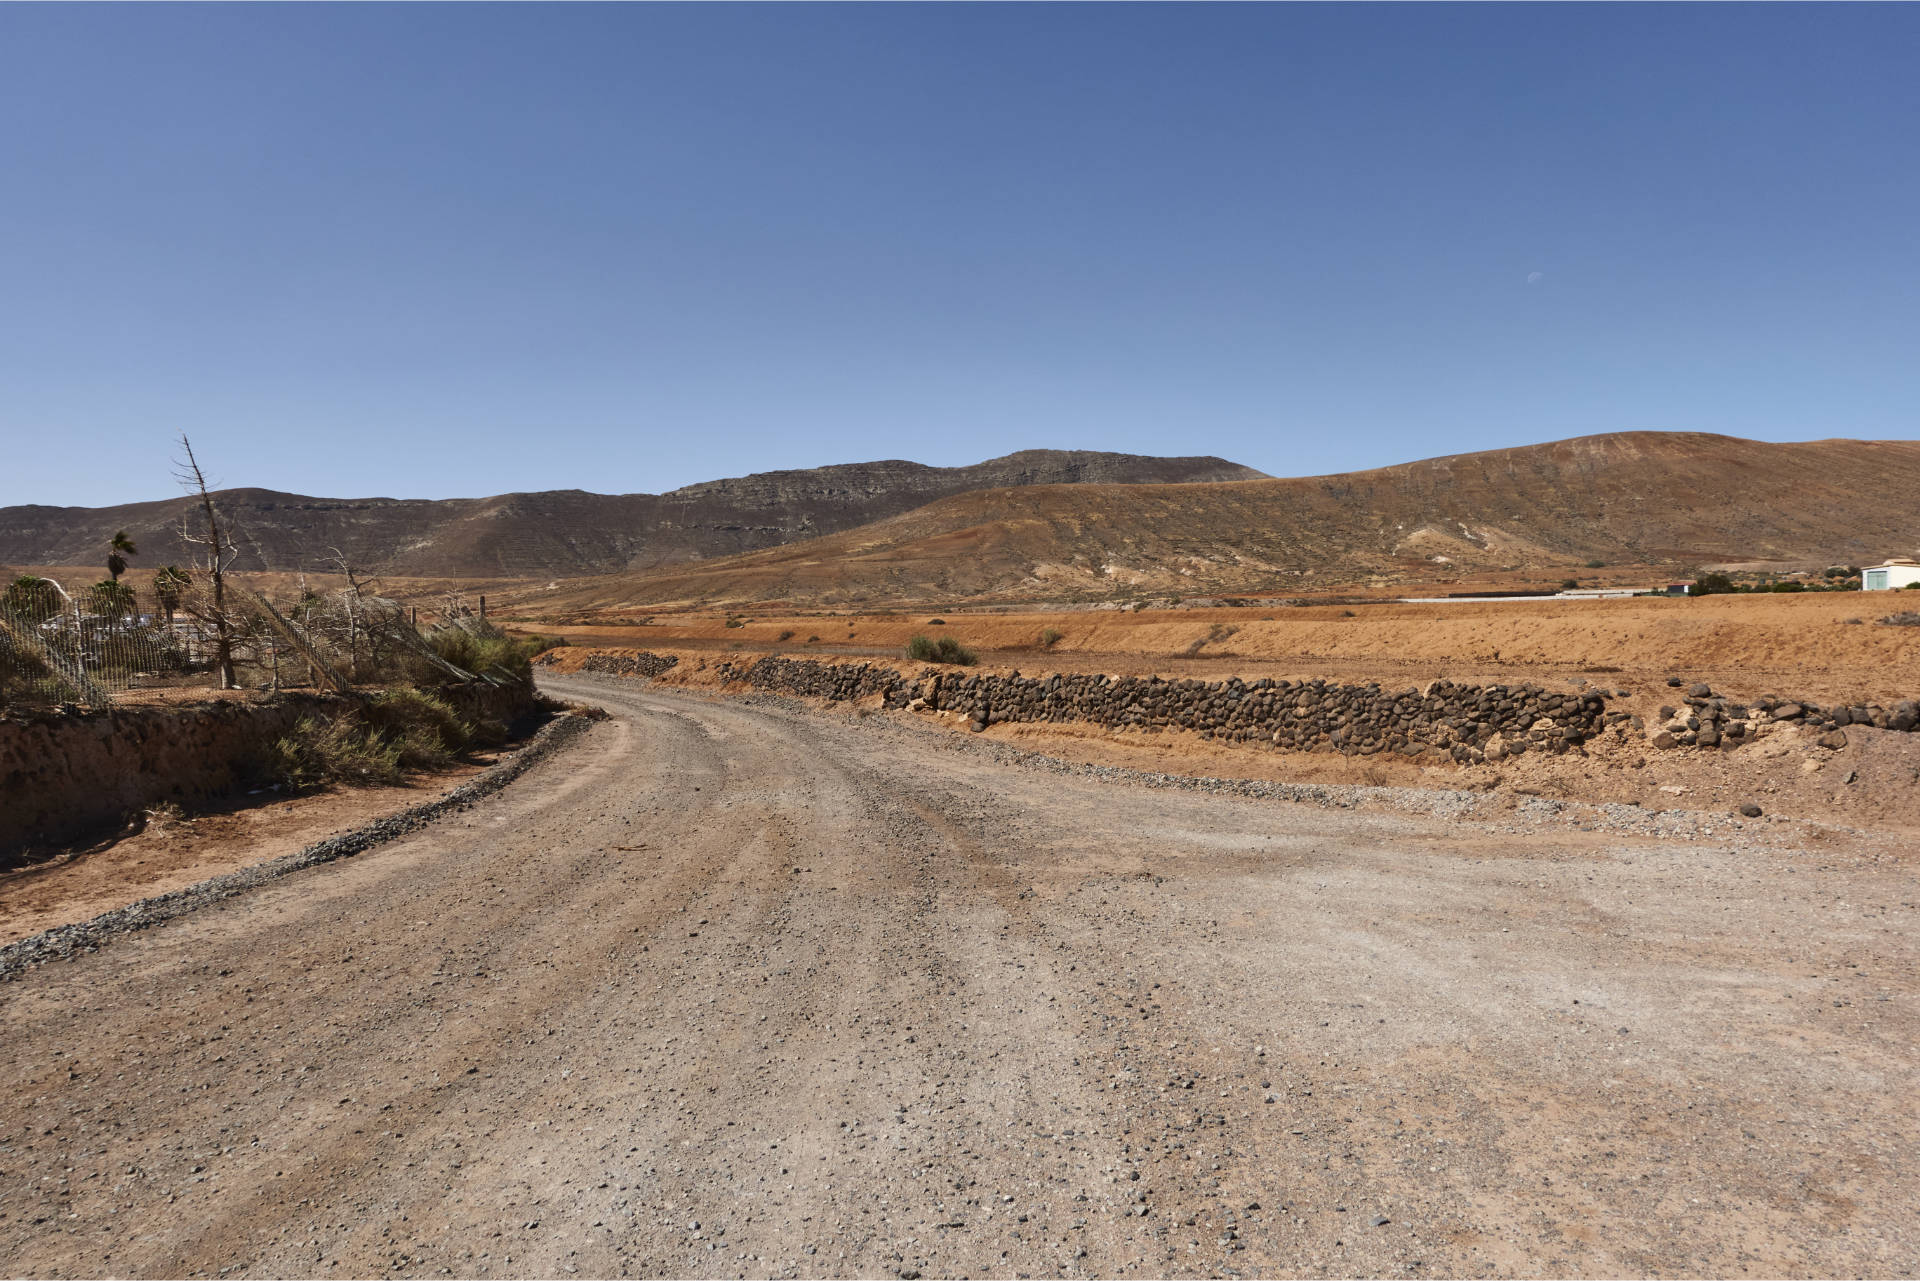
x=1797, y=645
x=171, y=850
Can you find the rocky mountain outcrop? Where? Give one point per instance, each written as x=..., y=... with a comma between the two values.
x=567, y=532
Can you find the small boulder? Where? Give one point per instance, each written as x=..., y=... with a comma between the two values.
x=1834, y=740
x=1749, y=810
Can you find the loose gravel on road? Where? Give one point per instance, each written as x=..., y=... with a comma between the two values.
x=734, y=989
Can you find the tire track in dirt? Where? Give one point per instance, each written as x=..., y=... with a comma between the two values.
x=600, y=1024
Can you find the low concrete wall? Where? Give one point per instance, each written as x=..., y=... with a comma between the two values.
x=63, y=774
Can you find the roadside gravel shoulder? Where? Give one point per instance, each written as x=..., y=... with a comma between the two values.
x=86, y=936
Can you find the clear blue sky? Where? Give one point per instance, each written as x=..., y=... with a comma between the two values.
x=438, y=250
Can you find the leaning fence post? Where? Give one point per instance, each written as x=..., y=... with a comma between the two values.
x=286, y=632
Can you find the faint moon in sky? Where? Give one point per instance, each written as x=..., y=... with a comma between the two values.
x=1535, y=277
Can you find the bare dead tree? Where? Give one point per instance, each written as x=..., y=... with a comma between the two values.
x=220, y=554
x=351, y=598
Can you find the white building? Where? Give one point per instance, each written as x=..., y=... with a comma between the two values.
x=1896, y=573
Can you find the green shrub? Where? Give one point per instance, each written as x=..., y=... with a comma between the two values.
x=1049, y=638
x=1712, y=584
x=813, y=640
x=936, y=622
x=736, y=622
x=426, y=731
x=944, y=650
x=786, y=635
x=1596, y=564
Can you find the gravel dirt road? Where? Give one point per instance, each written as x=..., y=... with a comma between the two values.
x=735, y=989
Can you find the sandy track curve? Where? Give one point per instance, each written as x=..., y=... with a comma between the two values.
x=856, y=1000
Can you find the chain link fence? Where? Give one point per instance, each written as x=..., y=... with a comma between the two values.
x=59, y=646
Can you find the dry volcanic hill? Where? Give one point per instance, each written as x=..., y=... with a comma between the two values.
x=567, y=532
x=1643, y=498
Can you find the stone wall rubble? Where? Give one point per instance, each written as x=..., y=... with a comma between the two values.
x=1705, y=719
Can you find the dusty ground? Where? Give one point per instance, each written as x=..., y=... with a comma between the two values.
x=1800, y=645
x=173, y=849
x=736, y=990
x=1873, y=782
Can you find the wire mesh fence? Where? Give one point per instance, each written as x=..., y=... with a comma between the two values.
x=89, y=645
x=60, y=646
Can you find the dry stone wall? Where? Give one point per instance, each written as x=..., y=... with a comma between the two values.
x=1444, y=720
x=1460, y=722
x=641, y=664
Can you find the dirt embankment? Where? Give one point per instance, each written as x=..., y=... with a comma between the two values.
x=66, y=773
x=173, y=848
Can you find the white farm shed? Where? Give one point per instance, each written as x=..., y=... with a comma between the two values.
x=1895, y=574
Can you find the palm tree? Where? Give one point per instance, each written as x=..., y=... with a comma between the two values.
x=113, y=598
x=170, y=584
x=119, y=547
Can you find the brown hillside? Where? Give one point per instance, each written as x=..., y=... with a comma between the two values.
x=568, y=531
x=1645, y=498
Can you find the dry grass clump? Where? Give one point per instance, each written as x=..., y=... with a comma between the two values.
x=945, y=650
x=395, y=731
x=1217, y=632
x=323, y=750
x=1905, y=618
x=498, y=655
x=425, y=731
